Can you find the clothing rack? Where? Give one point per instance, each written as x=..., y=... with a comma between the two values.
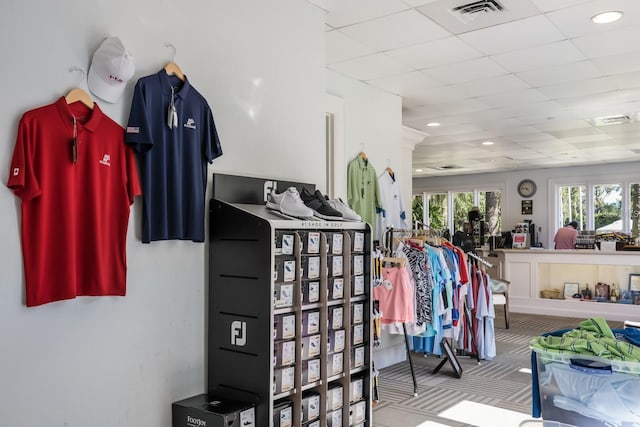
x=389, y=232
x=480, y=259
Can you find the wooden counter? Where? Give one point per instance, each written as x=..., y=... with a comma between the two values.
x=533, y=270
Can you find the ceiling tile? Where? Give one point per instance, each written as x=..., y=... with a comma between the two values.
x=492, y=85
x=340, y=47
x=433, y=53
x=369, y=67
x=576, y=21
x=416, y=3
x=554, y=127
x=610, y=43
x=465, y=71
x=549, y=5
x=583, y=87
x=527, y=96
x=546, y=55
x=435, y=96
x=341, y=13
x=559, y=74
x=443, y=12
x=521, y=34
x=394, y=31
x=404, y=84
x=616, y=64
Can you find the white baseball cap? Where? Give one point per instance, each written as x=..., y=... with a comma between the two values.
x=111, y=68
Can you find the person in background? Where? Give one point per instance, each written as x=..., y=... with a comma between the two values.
x=566, y=236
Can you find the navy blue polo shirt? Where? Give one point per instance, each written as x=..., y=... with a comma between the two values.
x=172, y=161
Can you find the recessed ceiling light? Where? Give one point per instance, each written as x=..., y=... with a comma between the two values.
x=606, y=17
x=418, y=170
x=433, y=124
x=487, y=143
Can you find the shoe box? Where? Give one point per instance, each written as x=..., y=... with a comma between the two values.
x=310, y=291
x=335, y=395
x=335, y=288
x=283, y=415
x=335, y=316
x=205, y=410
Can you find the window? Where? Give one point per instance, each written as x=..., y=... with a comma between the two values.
x=573, y=205
x=438, y=211
x=450, y=210
x=607, y=208
x=462, y=204
x=634, y=208
x=491, y=205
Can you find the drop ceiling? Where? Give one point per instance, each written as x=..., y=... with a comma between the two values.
x=535, y=77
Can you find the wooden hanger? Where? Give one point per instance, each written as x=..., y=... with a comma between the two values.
x=77, y=94
x=172, y=68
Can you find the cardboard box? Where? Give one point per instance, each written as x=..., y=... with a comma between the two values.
x=211, y=411
x=310, y=291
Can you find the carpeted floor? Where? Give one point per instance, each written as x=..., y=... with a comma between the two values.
x=444, y=400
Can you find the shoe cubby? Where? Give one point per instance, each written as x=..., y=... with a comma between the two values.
x=289, y=311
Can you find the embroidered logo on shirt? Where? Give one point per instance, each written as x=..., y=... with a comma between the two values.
x=132, y=129
x=16, y=171
x=106, y=160
x=191, y=124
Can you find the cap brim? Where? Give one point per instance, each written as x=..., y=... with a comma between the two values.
x=102, y=89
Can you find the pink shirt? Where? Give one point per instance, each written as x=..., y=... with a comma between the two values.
x=566, y=238
x=396, y=296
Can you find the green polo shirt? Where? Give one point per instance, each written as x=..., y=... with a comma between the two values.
x=363, y=193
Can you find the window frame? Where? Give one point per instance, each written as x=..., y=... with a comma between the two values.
x=449, y=191
x=624, y=180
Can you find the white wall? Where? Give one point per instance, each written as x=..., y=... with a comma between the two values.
x=373, y=124
x=111, y=361
x=508, y=182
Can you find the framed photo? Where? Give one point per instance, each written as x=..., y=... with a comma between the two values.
x=634, y=282
x=449, y=357
x=570, y=289
x=602, y=291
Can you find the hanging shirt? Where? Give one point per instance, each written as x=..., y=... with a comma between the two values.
x=363, y=193
x=392, y=213
x=173, y=153
x=74, y=201
x=395, y=296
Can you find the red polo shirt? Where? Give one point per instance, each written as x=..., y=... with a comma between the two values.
x=74, y=214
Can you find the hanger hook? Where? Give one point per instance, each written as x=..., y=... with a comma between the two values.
x=173, y=48
x=82, y=74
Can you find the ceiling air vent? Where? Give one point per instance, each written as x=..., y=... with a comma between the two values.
x=448, y=167
x=614, y=120
x=483, y=6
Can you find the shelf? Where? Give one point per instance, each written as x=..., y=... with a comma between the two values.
x=311, y=385
x=284, y=310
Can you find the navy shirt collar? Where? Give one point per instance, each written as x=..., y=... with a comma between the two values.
x=166, y=85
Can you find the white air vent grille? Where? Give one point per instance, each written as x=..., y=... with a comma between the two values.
x=618, y=119
x=485, y=6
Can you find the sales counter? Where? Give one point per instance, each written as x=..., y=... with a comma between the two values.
x=532, y=271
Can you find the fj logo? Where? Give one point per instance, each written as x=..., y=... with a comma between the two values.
x=238, y=333
x=268, y=186
x=195, y=422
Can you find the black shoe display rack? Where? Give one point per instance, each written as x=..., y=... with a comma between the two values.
x=289, y=323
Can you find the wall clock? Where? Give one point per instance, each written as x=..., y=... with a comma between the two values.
x=527, y=188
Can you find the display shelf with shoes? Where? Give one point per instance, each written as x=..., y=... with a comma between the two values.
x=347, y=213
x=321, y=208
x=289, y=203
x=282, y=309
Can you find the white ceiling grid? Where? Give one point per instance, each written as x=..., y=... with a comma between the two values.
x=531, y=78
